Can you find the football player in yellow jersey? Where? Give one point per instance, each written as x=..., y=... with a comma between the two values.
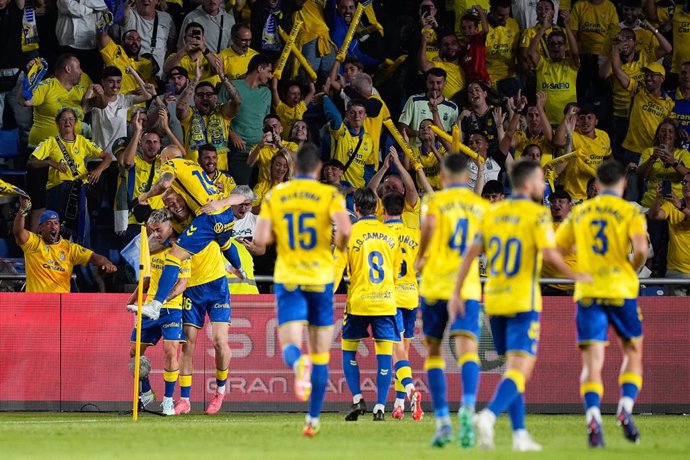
x=601, y=230
x=208, y=160
x=169, y=324
x=407, y=301
x=207, y=294
x=450, y=218
x=49, y=259
x=298, y=215
x=213, y=220
x=372, y=257
x=515, y=234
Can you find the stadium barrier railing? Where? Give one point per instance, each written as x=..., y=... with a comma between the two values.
x=70, y=352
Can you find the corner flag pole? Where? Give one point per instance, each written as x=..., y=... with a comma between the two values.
x=144, y=271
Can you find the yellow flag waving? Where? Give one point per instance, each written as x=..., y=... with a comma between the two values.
x=7, y=189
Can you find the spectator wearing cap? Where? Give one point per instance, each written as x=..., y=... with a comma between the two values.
x=593, y=146
x=128, y=56
x=430, y=105
x=350, y=143
x=561, y=205
x=65, y=157
x=178, y=78
x=156, y=29
x=217, y=24
x=236, y=58
x=502, y=42
x=648, y=108
x=76, y=32
x=270, y=144
x=332, y=174
x=49, y=258
x=243, y=239
x=247, y=126
x=109, y=106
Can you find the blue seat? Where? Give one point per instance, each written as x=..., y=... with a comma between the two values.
x=9, y=143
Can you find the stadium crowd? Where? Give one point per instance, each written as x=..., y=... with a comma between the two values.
x=96, y=88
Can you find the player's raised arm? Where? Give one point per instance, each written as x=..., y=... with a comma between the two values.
x=163, y=184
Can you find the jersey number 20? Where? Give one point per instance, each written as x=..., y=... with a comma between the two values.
x=512, y=252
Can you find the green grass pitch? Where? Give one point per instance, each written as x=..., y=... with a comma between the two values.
x=268, y=436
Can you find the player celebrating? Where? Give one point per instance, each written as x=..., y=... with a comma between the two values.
x=450, y=218
x=602, y=230
x=213, y=222
x=515, y=234
x=373, y=255
x=407, y=300
x=169, y=323
x=298, y=214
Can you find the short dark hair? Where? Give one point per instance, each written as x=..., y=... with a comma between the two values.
x=357, y=102
x=353, y=61
x=556, y=33
x=560, y=194
x=394, y=203
x=478, y=133
x=258, y=61
x=492, y=187
x=63, y=60
x=548, y=1
x=610, y=172
x=456, y=163
x=271, y=116
x=308, y=159
x=63, y=110
x=335, y=164
x=522, y=171
x=207, y=148
x=204, y=84
x=237, y=26
x=469, y=16
x=436, y=72
x=194, y=25
x=110, y=71
x=366, y=201
x=499, y=3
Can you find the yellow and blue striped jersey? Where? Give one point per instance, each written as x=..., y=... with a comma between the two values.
x=373, y=258
x=406, y=286
x=301, y=211
x=601, y=229
x=157, y=263
x=458, y=212
x=513, y=233
x=192, y=183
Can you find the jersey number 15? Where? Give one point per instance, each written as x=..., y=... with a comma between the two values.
x=301, y=231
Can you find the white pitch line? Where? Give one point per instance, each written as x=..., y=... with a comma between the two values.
x=178, y=421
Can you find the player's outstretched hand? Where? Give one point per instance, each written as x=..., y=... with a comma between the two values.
x=211, y=207
x=583, y=277
x=238, y=272
x=109, y=267
x=456, y=308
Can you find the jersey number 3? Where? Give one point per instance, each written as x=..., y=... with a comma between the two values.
x=601, y=245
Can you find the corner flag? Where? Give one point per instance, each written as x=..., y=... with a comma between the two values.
x=144, y=272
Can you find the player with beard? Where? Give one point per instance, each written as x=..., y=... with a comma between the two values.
x=127, y=54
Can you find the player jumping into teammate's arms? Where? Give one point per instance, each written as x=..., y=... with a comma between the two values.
x=298, y=215
x=515, y=234
x=450, y=220
x=602, y=230
x=169, y=324
x=407, y=301
x=372, y=257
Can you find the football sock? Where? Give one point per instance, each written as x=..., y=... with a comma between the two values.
x=185, y=386
x=170, y=378
x=591, y=393
x=469, y=368
x=233, y=256
x=400, y=393
x=350, y=367
x=169, y=274
x=434, y=366
x=383, y=376
x=145, y=384
x=319, y=382
x=630, y=384
x=221, y=380
x=516, y=411
x=291, y=354
x=403, y=379
x=512, y=384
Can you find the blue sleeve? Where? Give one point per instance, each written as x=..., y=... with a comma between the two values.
x=369, y=172
x=233, y=256
x=332, y=113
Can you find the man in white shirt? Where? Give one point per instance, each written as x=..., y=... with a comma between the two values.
x=76, y=32
x=216, y=22
x=156, y=29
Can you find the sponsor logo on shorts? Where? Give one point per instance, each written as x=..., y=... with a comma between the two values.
x=171, y=325
x=221, y=305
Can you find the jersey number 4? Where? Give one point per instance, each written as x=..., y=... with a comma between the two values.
x=301, y=231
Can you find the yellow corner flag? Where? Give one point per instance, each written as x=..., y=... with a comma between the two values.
x=144, y=272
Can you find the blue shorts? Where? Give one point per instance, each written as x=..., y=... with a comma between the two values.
x=407, y=319
x=212, y=298
x=168, y=325
x=306, y=304
x=595, y=315
x=435, y=319
x=206, y=228
x=516, y=334
x=356, y=327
